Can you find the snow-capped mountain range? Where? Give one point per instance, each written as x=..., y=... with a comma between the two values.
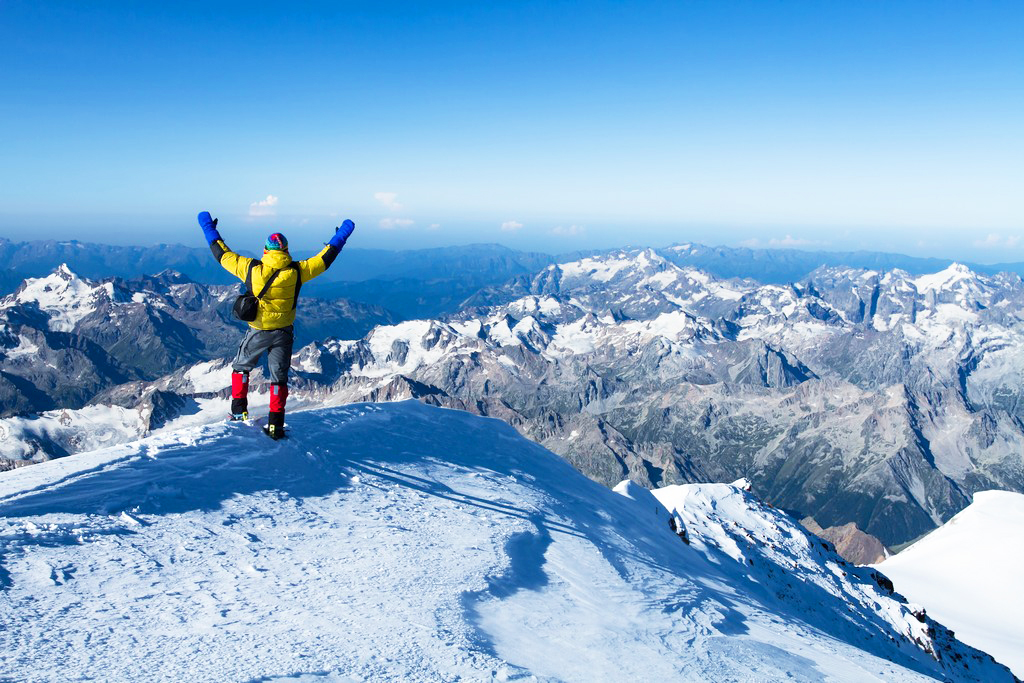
x=64, y=338
x=402, y=542
x=483, y=263
x=879, y=398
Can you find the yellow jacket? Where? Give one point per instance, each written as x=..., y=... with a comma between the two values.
x=277, y=306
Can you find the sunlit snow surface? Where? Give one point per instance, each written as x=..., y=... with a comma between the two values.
x=969, y=574
x=400, y=542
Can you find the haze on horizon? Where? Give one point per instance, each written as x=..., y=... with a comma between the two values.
x=542, y=126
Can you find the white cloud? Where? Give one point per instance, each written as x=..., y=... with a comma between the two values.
x=393, y=223
x=790, y=241
x=997, y=241
x=511, y=226
x=389, y=200
x=434, y=226
x=777, y=243
x=568, y=231
x=264, y=207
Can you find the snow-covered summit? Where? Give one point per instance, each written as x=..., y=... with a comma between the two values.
x=947, y=278
x=642, y=275
x=401, y=542
x=62, y=295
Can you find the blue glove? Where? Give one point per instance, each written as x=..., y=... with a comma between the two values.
x=341, y=234
x=209, y=226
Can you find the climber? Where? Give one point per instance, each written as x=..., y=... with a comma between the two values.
x=271, y=312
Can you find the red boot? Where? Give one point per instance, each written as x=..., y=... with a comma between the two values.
x=239, y=395
x=275, y=421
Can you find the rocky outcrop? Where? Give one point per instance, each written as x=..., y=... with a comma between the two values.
x=850, y=542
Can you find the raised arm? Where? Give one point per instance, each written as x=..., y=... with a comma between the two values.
x=316, y=265
x=229, y=260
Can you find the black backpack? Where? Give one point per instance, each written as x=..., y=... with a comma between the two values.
x=247, y=306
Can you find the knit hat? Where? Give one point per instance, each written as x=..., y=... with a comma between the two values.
x=276, y=242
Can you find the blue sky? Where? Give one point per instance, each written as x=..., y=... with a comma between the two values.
x=549, y=126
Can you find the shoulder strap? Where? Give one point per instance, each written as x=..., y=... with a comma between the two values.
x=298, y=283
x=248, y=276
x=267, y=284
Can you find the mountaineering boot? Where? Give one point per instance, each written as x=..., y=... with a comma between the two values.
x=275, y=421
x=275, y=425
x=239, y=395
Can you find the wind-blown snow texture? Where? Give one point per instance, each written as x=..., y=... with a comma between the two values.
x=407, y=543
x=968, y=573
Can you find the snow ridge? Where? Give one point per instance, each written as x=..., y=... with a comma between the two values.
x=400, y=542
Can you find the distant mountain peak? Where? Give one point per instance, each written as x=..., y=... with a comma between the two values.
x=64, y=271
x=946, y=278
x=61, y=274
x=64, y=296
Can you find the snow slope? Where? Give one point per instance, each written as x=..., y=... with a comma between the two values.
x=400, y=542
x=968, y=574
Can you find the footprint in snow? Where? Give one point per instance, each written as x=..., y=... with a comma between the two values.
x=61, y=575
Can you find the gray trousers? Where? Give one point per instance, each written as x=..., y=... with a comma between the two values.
x=277, y=344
